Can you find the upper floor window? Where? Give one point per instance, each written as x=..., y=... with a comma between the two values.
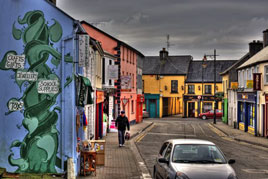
x=207, y=89
x=174, y=86
x=266, y=74
x=191, y=89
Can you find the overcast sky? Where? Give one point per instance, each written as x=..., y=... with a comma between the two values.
x=196, y=27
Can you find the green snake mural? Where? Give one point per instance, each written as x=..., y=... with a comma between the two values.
x=39, y=147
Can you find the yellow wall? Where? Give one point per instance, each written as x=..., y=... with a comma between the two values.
x=225, y=80
x=199, y=92
x=162, y=86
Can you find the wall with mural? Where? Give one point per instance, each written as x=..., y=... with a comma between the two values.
x=36, y=78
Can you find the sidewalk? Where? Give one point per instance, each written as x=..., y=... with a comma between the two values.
x=241, y=135
x=120, y=162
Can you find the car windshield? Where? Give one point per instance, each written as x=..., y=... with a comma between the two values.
x=197, y=153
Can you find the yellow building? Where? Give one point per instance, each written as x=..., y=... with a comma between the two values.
x=163, y=83
x=200, y=90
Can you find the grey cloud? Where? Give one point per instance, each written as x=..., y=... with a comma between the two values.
x=195, y=26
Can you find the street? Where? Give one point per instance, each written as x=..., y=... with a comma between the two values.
x=251, y=161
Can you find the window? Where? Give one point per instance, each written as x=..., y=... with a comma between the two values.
x=207, y=89
x=110, y=62
x=174, y=86
x=266, y=74
x=168, y=152
x=133, y=81
x=191, y=89
x=110, y=82
x=245, y=79
x=162, y=150
x=132, y=106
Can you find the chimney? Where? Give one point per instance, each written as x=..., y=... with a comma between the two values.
x=255, y=47
x=163, y=54
x=265, y=38
x=53, y=1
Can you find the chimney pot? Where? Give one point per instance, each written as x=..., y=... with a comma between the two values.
x=255, y=47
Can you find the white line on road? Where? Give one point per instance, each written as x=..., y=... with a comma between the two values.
x=155, y=133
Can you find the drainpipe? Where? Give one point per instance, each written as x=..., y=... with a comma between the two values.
x=62, y=114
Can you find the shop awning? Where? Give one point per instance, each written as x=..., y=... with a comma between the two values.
x=84, y=90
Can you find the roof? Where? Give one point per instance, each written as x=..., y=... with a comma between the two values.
x=236, y=64
x=174, y=65
x=119, y=41
x=260, y=57
x=190, y=141
x=195, y=70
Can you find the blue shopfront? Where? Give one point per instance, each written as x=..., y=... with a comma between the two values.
x=152, y=104
x=247, y=112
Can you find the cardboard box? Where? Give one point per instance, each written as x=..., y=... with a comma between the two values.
x=100, y=157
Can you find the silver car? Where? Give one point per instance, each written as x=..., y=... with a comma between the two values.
x=192, y=159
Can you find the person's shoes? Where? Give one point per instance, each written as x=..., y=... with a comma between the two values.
x=123, y=145
x=120, y=145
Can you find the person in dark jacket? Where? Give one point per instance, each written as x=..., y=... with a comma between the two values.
x=122, y=123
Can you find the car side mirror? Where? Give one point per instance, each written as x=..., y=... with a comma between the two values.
x=163, y=160
x=231, y=161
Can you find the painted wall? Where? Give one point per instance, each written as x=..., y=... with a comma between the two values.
x=225, y=84
x=108, y=44
x=98, y=71
x=108, y=60
x=36, y=139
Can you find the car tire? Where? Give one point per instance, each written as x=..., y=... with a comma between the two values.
x=204, y=117
x=154, y=174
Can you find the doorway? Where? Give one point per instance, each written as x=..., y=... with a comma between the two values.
x=152, y=108
x=191, y=109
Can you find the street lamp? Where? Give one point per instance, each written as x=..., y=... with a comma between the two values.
x=214, y=57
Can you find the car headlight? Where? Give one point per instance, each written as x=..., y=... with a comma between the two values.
x=180, y=175
x=232, y=176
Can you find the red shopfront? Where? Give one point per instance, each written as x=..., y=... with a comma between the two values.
x=140, y=101
x=99, y=114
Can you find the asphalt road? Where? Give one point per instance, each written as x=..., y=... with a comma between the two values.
x=251, y=161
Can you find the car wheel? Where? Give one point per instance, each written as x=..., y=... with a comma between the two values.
x=154, y=174
x=204, y=117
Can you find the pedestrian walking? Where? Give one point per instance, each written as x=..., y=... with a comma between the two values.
x=122, y=123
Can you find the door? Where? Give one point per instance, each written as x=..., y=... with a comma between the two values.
x=152, y=110
x=165, y=106
x=265, y=121
x=158, y=166
x=191, y=109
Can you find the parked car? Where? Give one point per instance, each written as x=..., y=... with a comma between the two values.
x=192, y=159
x=210, y=114
x=145, y=114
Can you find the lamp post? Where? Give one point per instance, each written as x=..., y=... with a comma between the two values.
x=214, y=57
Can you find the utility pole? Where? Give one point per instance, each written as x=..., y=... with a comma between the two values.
x=214, y=86
x=214, y=57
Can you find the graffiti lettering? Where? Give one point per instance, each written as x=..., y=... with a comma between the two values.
x=48, y=86
x=15, y=61
x=28, y=76
x=15, y=105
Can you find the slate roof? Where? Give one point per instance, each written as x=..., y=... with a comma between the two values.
x=260, y=57
x=236, y=64
x=195, y=70
x=174, y=65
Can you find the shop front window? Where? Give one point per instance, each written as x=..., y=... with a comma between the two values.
x=207, y=107
x=251, y=114
x=242, y=113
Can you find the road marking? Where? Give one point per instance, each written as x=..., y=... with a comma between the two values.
x=217, y=131
x=255, y=171
x=155, y=133
x=144, y=133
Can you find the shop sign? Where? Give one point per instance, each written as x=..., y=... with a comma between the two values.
x=234, y=85
x=15, y=105
x=126, y=83
x=26, y=76
x=244, y=96
x=15, y=61
x=113, y=72
x=100, y=96
x=257, y=81
x=48, y=86
x=249, y=84
x=83, y=53
x=266, y=98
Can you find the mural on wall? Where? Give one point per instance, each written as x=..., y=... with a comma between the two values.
x=42, y=86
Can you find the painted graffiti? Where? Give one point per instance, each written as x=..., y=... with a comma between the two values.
x=15, y=61
x=48, y=86
x=37, y=103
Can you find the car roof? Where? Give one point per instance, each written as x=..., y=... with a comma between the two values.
x=189, y=141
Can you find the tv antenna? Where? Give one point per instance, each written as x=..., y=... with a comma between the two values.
x=168, y=43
